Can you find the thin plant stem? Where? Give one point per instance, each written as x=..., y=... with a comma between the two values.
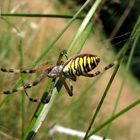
x=43, y=109
x=37, y=15
x=124, y=79
x=137, y=102
x=121, y=55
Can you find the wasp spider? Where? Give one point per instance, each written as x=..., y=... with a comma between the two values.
x=79, y=65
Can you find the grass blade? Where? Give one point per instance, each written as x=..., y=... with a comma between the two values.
x=39, y=15
x=47, y=48
x=101, y=101
x=124, y=78
x=84, y=37
x=121, y=55
x=115, y=117
x=84, y=24
x=43, y=109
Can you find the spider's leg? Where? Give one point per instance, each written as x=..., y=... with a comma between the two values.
x=26, y=86
x=62, y=53
x=73, y=78
x=18, y=70
x=100, y=71
x=30, y=98
x=40, y=69
x=45, y=99
x=69, y=90
x=71, y=87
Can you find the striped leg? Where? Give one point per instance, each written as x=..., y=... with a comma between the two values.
x=18, y=70
x=69, y=90
x=26, y=86
x=30, y=98
x=22, y=88
x=101, y=71
x=62, y=53
x=45, y=99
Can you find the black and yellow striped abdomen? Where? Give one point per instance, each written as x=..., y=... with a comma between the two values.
x=80, y=65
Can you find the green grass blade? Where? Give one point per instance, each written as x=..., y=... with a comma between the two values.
x=84, y=37
x=124, y=77
x=41, y=112
x=84, y=24
x=115, y=117
x=37, y=121
x=120, y=58
x=77, y=35
x=39, y=15
x=62, y=32
x=51, y=45
x=75, y=39
x=101, y=101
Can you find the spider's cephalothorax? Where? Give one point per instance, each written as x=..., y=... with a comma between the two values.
x=79, y=65
x=55, y=71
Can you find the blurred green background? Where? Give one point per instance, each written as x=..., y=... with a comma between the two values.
x=73, y=112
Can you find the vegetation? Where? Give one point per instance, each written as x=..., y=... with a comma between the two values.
x=97, y=102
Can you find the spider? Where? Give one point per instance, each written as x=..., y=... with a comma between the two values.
x=79, y=65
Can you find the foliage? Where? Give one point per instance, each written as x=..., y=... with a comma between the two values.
x=22, y=43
